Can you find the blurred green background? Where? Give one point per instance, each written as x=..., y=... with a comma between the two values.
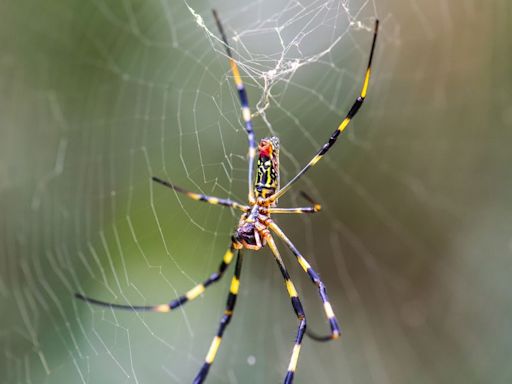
x=414, y=243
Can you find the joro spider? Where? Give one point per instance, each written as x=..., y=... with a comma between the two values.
x=255, y=225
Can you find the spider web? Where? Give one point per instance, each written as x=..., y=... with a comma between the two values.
x=413, y=242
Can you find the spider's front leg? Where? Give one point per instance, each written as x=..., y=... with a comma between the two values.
x=343, y=125
x=201, y=197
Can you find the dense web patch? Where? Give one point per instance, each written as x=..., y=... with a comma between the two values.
x=116, y=94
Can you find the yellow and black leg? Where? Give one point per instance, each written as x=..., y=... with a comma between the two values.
x=293, y=210
x=244, y=101
x=316, y=207
x=188, y=296
x=329, y=313
x=345, y=122
x=297, y=307
x=224, y=321
x=200, y=197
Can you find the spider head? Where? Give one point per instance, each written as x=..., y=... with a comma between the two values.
x=268, y=147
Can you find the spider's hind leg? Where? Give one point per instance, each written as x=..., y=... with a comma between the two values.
x=224, y=322
x=329, y=313
x=176, y=303
x=297, y=307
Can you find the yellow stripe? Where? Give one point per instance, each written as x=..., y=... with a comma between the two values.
x=328, y=310
x=304, y=264
x=295, y=358
x=228, y=257
x=194, y=292
x=246, y=114
x=213, y=200
x=366, y=82
x=291, y=289
x=235, y=284
x=162, y=308
x=316, y=159
x=236, y=74
x=194, y=196
x=344, y=124
x=213, y=349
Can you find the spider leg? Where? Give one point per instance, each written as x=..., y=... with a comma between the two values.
x=224, y=321
x=200, y=197
x=297, y=307
x=334, y=136
x=244, y=101
x=293, y=210
x=333, y=322
x=188, y=296
x=314, y=209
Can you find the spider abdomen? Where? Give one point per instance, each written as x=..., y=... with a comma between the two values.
x=267, y=175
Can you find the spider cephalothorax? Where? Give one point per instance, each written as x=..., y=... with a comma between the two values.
x=267, y=176
x=252, y=231
x=256, y=227
x=246, y=235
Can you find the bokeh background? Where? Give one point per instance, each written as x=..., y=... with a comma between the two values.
x=414, y=243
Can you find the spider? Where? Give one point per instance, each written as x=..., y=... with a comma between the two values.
x=255, y=228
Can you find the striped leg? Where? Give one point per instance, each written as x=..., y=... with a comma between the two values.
x=297, y=307
x=244, y=101
x=333, y=322
x=334, y=136
x=189, y=296
x=201, y=197
x=292, y=210
x=314, y=209
x=226, y=318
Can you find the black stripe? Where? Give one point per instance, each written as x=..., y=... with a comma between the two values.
x=313, y=275
x=116, y=306
x=223, y=267
x=355, y=107
x=223, y=35
x=334, y=325
x=243, y=97
x=297, y=307
x=375, y=32
x=178, y=302
x=224, y=321
x=289, y=378
x=231, y=301
x=214, y=277
x=202, y=374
